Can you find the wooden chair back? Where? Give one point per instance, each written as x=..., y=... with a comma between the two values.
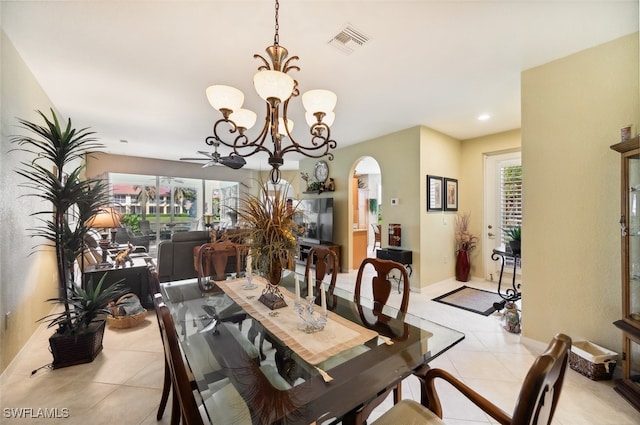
x=326, y=261
x=381, y=284
x=377, y=236
x=541, y=389
x=212, y=259
x=179, y=375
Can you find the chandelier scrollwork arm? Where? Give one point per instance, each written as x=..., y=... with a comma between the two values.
x=276, y=88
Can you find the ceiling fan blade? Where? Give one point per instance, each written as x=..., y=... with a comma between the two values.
x=195, y=159
x=210, y=164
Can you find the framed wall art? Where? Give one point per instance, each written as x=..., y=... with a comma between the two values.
x=450, y=194
x=434, y=193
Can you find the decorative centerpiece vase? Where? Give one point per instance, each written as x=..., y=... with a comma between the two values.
x=269, y=228
x=271, y=295
x=463, y=265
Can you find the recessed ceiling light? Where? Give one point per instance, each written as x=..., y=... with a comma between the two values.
x=484, y=117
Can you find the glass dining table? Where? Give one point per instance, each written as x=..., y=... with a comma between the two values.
x=254, y=365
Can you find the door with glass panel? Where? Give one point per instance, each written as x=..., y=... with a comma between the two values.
x=503, y=207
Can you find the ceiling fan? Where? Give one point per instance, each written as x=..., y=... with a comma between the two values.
x=234, y=160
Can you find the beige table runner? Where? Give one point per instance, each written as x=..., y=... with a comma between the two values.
x=339, y=334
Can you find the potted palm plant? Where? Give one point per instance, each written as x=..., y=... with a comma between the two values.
x=52, y=176
x=514, y=234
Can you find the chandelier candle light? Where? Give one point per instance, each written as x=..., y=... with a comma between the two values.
x=276, y=88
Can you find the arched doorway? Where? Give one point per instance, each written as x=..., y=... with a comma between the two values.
x=365, y=195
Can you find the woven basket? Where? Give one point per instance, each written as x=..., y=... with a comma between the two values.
x=122, y=316
x=124, y=322
x=592, y=361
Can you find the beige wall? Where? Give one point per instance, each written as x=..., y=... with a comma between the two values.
x=25, y=280
x=439, y=156
x=471, y=185
x=398, y=156
x=572, y=111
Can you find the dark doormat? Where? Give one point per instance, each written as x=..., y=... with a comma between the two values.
x=471, y=299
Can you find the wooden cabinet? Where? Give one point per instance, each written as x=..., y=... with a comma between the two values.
x=629, y=385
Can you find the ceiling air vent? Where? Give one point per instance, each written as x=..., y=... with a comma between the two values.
x=348, y=40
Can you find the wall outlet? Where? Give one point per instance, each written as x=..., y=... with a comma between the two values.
x=394, y=201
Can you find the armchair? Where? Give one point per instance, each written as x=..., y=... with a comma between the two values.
x=536, y=402
x=124, y=235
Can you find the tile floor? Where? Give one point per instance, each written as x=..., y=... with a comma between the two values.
x=123, y=385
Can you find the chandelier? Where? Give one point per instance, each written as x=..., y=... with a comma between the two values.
x=276, y=88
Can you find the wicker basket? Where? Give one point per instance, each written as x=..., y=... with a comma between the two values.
x=591, y=360
x=124, y=322
x=123, y=315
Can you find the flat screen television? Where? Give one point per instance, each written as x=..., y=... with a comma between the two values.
x=316, y=219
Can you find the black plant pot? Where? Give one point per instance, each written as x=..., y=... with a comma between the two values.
x=515, y=247
x=69, y=350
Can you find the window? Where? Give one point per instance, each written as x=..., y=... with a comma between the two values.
x=510, y=211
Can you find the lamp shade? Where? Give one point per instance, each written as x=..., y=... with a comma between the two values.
x=225, y=97
x=243, y=118
x=273, y=84
x=312, y=120
x=281, y=129
x=319, y=101
x=106, y=218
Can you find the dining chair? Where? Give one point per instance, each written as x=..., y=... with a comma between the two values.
x=154, y=290
x=166, y=385
x=324, y=261
x=377, y=236
x=212, y=259
x=380, y=286
x=535, y=405
x=183, y=395
x=225, y=399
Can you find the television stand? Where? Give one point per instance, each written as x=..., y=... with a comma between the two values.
x=305, y=245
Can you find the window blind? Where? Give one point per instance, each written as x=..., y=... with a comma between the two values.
x=510, y=198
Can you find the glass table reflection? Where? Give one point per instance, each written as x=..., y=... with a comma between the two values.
x=238, y=378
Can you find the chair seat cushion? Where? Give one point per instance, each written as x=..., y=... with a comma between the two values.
x=408, y=412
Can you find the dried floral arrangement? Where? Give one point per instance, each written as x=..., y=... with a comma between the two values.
x=465, y=241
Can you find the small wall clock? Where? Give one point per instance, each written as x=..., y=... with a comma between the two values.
x=321, y=171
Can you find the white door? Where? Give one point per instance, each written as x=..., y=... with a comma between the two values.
x=495, y=167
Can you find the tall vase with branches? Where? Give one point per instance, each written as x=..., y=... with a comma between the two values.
x=52, y=177
x=465, y=243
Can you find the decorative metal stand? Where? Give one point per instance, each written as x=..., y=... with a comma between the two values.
x=513, y=293
x=272, y=297
x=312, y=321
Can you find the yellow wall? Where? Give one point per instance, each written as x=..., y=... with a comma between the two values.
x=572, y=111
x=27, y=279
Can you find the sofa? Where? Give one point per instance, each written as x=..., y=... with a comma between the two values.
x=175, y=256
x=125, y=235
